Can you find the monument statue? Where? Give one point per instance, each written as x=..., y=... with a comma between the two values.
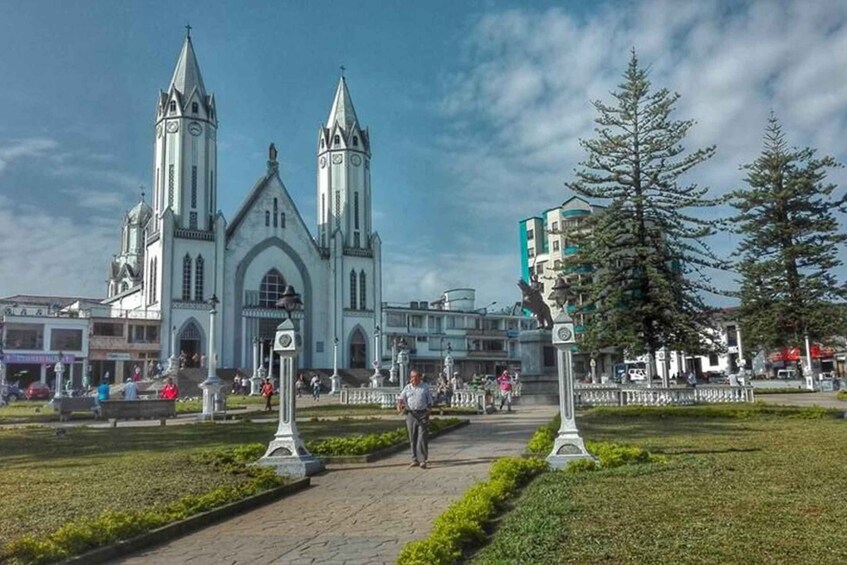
x=534, y=302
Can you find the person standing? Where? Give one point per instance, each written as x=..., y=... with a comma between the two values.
x=316, y=386
x=130, y=390
x=415, y=401
x=505, y=382
x=170, y=391
x=692, y=379
x=103, y=389
x=267, y=392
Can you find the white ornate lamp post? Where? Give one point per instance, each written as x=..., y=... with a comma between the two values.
x=335, y=379
x=593, y=364
x=376, y=378
x=173, y=362
x=392, y=372
x=255, y=380
x=59, y=368
x=212, y=385
x=810, y=378
x=286, y=452
x=568, y=445
x=448, y=362
x=403, y=360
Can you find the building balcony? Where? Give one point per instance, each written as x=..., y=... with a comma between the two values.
x=479, y=354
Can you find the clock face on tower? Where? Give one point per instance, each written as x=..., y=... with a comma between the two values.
x=195, y=129
x=337, y=159
x=356, y=160
x=322, y=161
x=285, y=340
x=173, y=126
x=565, y=333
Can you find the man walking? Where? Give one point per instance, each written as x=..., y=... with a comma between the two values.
x=505, y=382
x=415, y=401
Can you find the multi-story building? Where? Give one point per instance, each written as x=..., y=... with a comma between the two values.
x=480, y=341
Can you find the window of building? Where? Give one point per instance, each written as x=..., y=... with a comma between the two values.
x=192, y=220
x=66, y=340
x=171, y=186
x=356, y=210
x=395, y=320
x=275, y=212
x=323, y=144
x=415, y=321
x=713, y=359
x=108, y=329
x=362, y=293
x=267, y=218
x=172, y=106
x=195, y=107
x=731, y=336
x=530, y=234
x=212, y=192
x=555, y=226
x=352, y=290
x=24, y=336
x=337, y=207
x=198, y=279
x=319, y=347
x=194, y=186
x=356, y=242
x=271, y=289
x=143, y=334
x=355, y=141
x=155, y=286
x=336, y=140
x=530, y=252
x=539, y=269
x=555, y=245
x=186, y=277
x=282, y=220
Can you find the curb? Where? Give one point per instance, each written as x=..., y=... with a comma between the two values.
x=178, y=529
x=383, y=453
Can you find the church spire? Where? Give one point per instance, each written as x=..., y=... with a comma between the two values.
x=342, y=111
x=187, y=72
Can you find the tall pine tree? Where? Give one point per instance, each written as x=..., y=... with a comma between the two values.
x=647, y=249
x=788, y=256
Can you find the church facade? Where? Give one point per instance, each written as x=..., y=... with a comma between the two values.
x=181, y=251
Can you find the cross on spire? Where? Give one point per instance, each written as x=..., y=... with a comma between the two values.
x=141, y=188
x=188, y=30
x=343, y=68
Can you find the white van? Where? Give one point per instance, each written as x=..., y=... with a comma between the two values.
x=786, y=374
x=636, y=374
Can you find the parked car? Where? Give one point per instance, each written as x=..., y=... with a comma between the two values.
x=637, y=374
x=37, y=391
x=786, y=374
x=11, y=393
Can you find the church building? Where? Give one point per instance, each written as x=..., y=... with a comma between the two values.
x=180, y=252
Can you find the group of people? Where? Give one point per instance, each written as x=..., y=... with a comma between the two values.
x=240, y=385
x=314, y=386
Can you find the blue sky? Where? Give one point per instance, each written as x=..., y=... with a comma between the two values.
x=475, y=111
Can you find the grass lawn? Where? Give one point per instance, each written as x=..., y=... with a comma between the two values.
x=768, y=488
x=47, y=480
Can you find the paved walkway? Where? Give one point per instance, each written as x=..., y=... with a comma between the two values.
x=359, y=513
x=823, y=399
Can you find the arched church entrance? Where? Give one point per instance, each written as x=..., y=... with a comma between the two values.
x=189, y=345
x=358, y=346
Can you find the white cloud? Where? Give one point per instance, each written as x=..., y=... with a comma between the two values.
x=14, y=150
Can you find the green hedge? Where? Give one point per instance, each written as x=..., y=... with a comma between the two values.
x=842, y=395
x=79, y=536
x=462, y=525
x=364, y=444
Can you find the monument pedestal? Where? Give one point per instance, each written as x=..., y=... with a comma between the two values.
x=290, y=459
x=539, y=383
x=567, y=448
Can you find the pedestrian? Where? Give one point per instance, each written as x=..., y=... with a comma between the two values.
x=415, y=401
x=456, y=381
x=130, y=391
x=505, y=382
x=170, y=391
x=236, y=385
x=300, y=385
x=692, y=379
x=268, y=393
x=316, y=387
x=136, y=373
x=103, y=389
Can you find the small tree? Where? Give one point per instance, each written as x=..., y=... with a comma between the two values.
x=648, y=248
x=788, y=257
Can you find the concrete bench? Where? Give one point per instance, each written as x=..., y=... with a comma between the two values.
x=64, y=406
x=137, y=409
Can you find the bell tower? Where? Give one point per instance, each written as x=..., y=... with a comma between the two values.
x=344, y=176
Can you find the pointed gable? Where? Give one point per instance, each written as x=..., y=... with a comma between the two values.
x=342, y=112
x=186, y=75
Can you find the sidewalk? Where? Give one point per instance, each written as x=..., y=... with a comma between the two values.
x=359, y=513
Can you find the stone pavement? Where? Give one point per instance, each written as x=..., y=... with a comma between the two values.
x=359, y=513
x=806, y=399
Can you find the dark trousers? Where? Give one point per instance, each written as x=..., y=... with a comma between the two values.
x=417, y=424
x=268, y=406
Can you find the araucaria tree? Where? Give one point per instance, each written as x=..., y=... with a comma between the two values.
x=788, y=258
x=648, y=249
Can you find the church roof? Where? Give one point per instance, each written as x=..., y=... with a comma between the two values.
x=187, y=72
x=140, y=213
x=342, y=111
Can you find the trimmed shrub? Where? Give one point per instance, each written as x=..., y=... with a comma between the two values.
x=364, y=444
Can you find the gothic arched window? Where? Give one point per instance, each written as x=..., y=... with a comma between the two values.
x=336, y=140
x=267, y=218
x=282, y=219
x=186, y=277
x=275, y=212
x=198, y=279
x=195, y=107
x=362, y=292
x=270, y=291
x=352, y=290
x=355, y=141
x=172, y=106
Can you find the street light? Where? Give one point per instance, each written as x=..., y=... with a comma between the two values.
x=392, y=371
x=448, y=362
x=403, y=360
x=286, y=452
x=335, y=379
x=568, y=445
x=58, y=368
x=255, y=380
x=212, y=385
x=376, y=378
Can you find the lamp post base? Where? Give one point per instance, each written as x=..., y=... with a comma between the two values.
x=289, y=459
x=335, y=379
x=211, y=396
x=376, y=380
x=567, y=448
x=255, y=385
